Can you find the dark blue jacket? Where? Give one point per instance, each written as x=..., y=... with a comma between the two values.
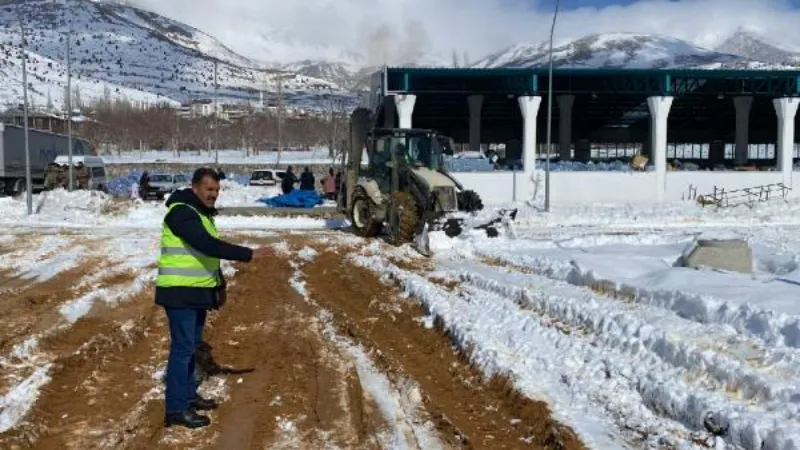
x=186, y=224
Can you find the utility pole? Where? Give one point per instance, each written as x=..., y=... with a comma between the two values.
x=549, y=116
x=28, y=181
x=216, y=114
x=69, y=96
x=279, y=80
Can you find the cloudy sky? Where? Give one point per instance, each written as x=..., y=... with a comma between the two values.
x=393, y=30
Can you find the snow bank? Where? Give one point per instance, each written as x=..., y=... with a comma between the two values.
x=93, y=209
x=318, y=155
x=667, y=215
x=763, y=308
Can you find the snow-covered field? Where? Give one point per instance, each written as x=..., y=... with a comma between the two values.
x=585, y=309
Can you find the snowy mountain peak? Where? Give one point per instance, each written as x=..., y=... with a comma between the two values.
x=614, y=50
x=138, y=55
x=751, y=44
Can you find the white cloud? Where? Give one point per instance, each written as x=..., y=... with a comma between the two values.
x=396, y=30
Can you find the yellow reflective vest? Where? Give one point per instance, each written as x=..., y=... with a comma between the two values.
x=181, y=265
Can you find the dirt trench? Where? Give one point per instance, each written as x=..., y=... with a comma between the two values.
x=282, y=381
x=476, y=412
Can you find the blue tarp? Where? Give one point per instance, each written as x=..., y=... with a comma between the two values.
x=294, y=199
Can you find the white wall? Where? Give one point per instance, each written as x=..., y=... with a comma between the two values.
x=613, y=187
x=493, y=187
x=678, y=182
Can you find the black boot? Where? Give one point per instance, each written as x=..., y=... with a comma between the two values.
x=201, y=403
x=187, y=418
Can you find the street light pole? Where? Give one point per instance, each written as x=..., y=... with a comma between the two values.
x=549, y=115
x=28, y=181
x=69, y=98
x=216, y=114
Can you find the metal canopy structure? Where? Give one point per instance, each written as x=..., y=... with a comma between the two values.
x=608, y=102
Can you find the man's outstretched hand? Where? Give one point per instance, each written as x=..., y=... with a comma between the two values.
x=263, y=252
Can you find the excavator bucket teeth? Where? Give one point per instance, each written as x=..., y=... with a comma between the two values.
x=422, y=242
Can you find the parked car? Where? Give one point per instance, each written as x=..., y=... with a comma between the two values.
x=162, y=184
x=265, y=177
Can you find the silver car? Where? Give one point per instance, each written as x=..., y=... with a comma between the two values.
x=162, y=184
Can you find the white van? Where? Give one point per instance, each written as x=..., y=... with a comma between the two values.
x=96, y=166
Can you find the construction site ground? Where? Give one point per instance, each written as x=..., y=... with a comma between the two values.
x=311, y=351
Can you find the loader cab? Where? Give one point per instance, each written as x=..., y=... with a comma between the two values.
x=393, y=148
x=404, y=148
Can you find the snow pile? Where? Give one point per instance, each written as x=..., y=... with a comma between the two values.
x=643, y=269
x=317, y=155
x=94, y=209
x=57, y=205
x=671, y=214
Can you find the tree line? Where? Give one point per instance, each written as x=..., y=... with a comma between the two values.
x=119, y=126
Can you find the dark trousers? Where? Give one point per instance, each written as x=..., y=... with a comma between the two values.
x=185, y=332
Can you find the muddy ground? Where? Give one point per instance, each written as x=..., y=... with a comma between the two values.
x=310, y=352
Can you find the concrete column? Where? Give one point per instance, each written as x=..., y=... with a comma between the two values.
x=565, y=103
x=405, y=108
x=742, y=105
x=529, y=106
x=389, y=112
x=526, y=186
x=786, y=108
x=475, y=105
x=659, y=112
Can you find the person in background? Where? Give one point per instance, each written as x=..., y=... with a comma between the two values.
x=340, y=186
x=189, y=284
x=329, y=185
x=288, y=181
x=144, y=185
x=134, y=191
x=82, y=176
x=221, y=173
x=307, y=180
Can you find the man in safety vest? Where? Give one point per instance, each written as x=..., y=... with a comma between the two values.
x=189, y=283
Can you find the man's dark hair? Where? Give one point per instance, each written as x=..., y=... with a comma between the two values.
x=203, y=172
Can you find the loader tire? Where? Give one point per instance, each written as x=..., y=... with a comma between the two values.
x=408, y=218
x=361, y=215
x=469, y=201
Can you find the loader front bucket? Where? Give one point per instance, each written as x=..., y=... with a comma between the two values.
x=422, y=242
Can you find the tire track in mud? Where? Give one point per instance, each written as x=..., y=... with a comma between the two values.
x=33, y=308
x=477, y=413
x=77, y=371
x=101, y=369
x=297, y=392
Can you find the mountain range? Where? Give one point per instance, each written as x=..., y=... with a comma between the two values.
x=122, y=51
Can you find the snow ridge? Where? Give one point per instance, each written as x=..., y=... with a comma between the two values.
x=587, y=353
x=774, y=328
